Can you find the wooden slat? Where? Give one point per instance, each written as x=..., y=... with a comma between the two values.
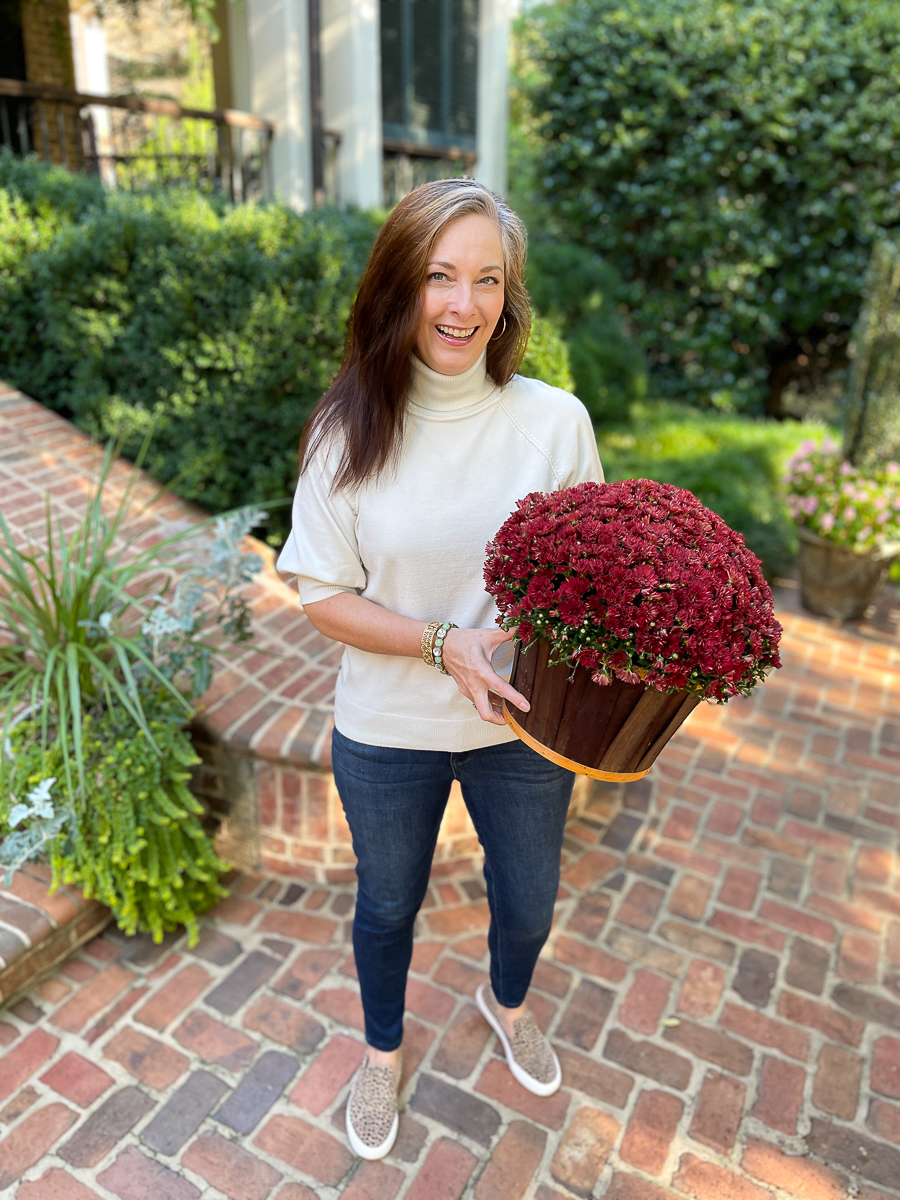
x=650, y=716
x=547, y=697
x=687, y=706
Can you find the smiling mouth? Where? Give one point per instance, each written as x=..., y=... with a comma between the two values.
x=451, y=333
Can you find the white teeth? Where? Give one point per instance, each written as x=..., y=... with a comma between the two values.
x=461, y=335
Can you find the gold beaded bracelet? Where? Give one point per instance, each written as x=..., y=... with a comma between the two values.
x=433, y=644
x=428, y=641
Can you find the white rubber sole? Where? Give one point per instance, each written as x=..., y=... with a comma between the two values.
x=360, y=1148
x=371, y=1152
x=521, y=1076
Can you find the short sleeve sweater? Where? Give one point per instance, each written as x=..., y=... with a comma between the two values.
x=413, y=539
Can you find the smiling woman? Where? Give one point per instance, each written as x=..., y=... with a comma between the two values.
x=411, y=461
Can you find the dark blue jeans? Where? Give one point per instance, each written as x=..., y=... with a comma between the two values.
x=394, y=801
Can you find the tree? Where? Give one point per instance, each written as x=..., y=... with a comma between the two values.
x=735, y=161
x=873, y=391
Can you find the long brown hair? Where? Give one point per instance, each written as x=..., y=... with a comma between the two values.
x=366, y=403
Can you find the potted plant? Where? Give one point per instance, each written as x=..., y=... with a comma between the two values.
x=106, y=641
x=848, y=523
x=632, y=603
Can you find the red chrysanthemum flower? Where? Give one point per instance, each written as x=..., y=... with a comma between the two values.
x=636, y=580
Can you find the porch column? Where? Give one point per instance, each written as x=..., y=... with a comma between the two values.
x=277, y=66
x=351, y=71
x=493, y=94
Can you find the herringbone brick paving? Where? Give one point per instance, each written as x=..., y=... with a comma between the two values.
x=722, y=985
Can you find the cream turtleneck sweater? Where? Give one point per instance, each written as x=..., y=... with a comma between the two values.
x=413, y=540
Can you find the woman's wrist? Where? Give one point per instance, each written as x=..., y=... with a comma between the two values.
x=433, y=643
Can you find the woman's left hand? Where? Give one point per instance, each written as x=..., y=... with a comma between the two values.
x=467, y=657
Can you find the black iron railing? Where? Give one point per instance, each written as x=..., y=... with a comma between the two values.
x=132, y=141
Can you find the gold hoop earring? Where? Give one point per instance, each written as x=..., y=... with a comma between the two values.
x=502, y=331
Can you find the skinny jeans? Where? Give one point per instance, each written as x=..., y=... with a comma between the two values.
x=394, y=800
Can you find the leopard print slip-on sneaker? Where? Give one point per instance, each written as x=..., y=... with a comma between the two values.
x=372, y=1118
x=529, y=1055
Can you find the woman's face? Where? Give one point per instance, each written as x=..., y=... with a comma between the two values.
x=463, y=295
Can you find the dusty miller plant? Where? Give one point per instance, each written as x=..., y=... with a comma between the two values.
x=44, y=822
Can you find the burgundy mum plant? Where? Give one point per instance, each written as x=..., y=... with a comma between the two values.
x=639, y=581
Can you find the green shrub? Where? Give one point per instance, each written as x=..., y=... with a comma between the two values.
x=214, y=329
x=48, y=191
x=547, y=356
x=733, y=464
x=734, y=162
x=581, y=293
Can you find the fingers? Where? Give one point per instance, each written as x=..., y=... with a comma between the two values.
x=467, y=657
x=502, y=688
x=489, y=708
x=499, y=636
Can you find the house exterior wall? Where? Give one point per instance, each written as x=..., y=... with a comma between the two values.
x=48, y=59
x=48, y=42
x=262, y=66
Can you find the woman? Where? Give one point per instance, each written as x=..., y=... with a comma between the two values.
x=411, y=462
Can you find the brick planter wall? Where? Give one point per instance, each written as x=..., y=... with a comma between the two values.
x=287, y=819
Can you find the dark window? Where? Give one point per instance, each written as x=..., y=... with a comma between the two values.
x=429, y=71
x=15, y=115
x=12, y=46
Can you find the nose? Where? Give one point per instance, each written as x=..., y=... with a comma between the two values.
x=461, y=302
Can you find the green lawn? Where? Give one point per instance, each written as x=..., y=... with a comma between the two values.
x=733, y=464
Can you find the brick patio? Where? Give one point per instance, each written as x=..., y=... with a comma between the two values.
x=723, y=987
x=722, y=983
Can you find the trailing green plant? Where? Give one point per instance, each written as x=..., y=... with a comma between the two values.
x=40, y=820
x=872, y=435
x=734, y=162
x=133, y=838
x=103, y=646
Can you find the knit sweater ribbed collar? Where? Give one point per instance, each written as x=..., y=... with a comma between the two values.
x=439, y=395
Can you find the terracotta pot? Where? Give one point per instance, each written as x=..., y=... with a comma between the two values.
x=613, y=732
x=838, y=582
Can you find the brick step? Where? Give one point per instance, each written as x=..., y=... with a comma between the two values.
x=39, y=929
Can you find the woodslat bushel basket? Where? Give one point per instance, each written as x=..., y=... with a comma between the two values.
x=613, y=732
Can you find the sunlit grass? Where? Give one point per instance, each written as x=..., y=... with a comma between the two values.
x=733, y=464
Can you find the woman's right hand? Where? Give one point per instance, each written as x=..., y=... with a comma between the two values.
x=467, y=657
x=355, y=621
